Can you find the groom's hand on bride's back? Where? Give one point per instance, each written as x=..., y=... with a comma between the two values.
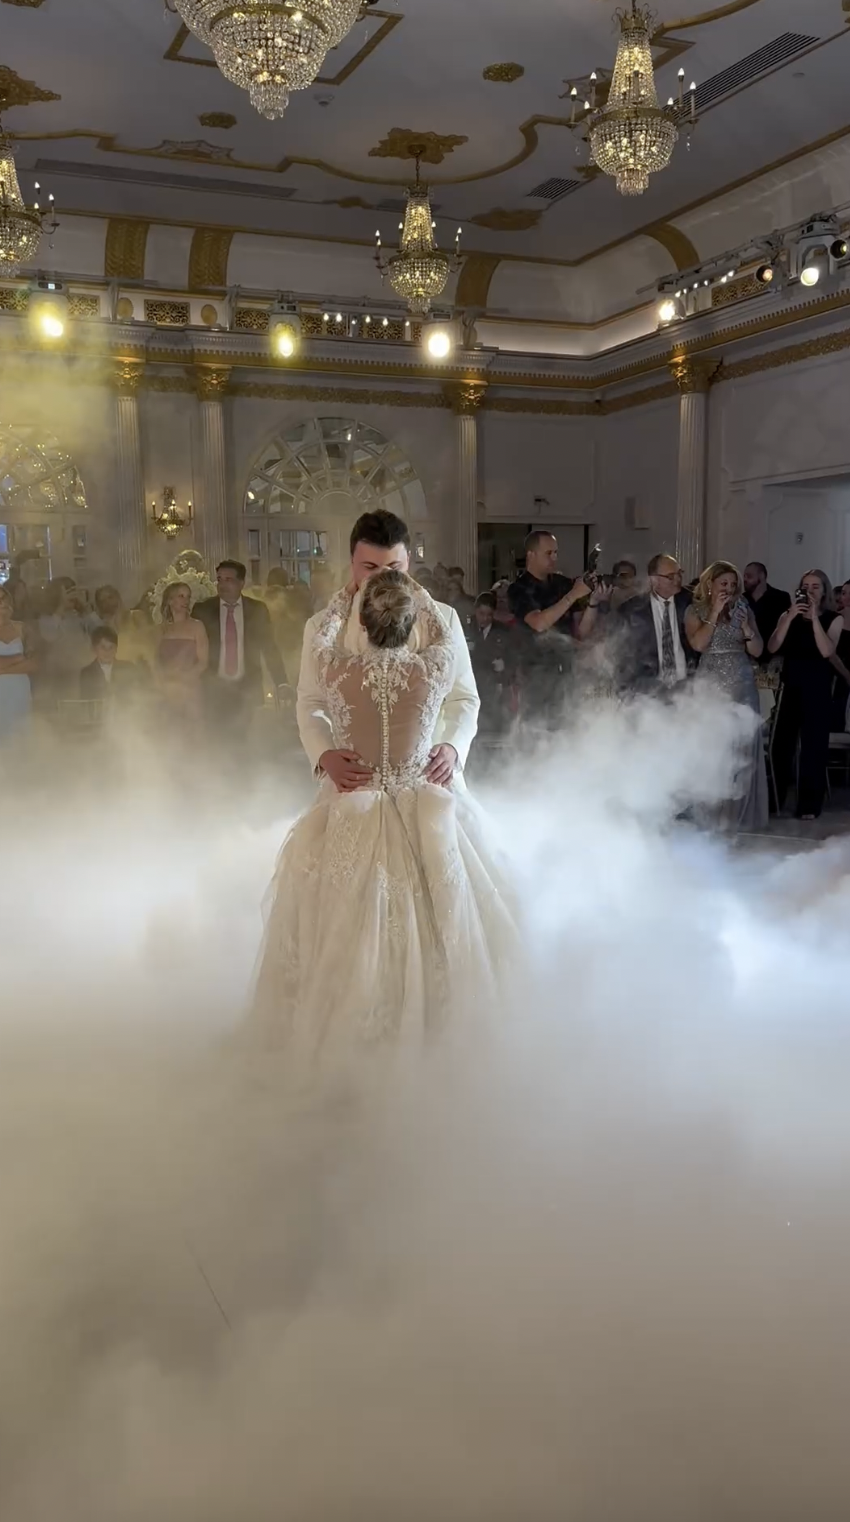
x=345, y=769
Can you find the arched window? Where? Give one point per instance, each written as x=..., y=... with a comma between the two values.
x=311, y=483
x=41, y=496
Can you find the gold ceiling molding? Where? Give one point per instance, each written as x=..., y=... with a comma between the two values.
x=15, y=91
x=677, y=244
x=348, y=395
x=502, y=220
x=222, y=120
x=126, y=244
x=503, y=73
x=31, y=4
x=174, y=52
x=731, y=8
x=474, y=280
x=404, y=143
x=208, y=258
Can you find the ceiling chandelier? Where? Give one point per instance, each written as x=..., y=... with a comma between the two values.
x=631, y=136
x=270, y=49
x=21, y=226
x=419, y=271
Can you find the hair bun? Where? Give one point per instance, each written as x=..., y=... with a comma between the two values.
x=388, y=609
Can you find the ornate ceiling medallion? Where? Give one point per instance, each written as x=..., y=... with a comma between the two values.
x=503, y=73
x=631, y=136
x=424, y=147
x=269, y=49
x=15, y=91
x=223, y=120
x=419, y=271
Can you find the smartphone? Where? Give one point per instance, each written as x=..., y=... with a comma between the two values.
x=801, y=598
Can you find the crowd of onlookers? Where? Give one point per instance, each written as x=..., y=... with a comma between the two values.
x=538, y=642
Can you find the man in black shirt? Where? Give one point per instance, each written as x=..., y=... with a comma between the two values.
x=768, y=603
x=542, y=600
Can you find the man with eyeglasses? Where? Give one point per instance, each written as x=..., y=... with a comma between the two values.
x=656, y=653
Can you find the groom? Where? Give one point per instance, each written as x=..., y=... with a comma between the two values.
x=381, y=542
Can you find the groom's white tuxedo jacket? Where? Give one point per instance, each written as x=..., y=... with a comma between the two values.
x=457, y=721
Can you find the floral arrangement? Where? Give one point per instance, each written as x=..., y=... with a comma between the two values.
x=188, y=567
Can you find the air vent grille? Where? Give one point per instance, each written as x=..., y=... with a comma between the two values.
x=771, y=56
x=554, y=189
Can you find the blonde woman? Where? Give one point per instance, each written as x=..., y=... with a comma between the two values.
x=183, y=652
x=720, y=627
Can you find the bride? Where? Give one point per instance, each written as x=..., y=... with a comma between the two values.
x=387, y=913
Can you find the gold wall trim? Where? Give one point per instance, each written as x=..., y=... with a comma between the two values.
x=208, y=258
x=541, y=406
x=791, y=354
x=659, y=393
x=126, y=245
x=676, y=243
x=476, y=275
x=347, y=394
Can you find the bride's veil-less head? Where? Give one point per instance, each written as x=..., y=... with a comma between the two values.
x=389, y=605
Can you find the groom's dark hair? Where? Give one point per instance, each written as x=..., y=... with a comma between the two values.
x=382, y=529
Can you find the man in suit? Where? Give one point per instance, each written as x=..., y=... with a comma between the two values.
x=379, y=542
x=655, y=653
x=494, y=651
x=239, y=630
x=107, y=678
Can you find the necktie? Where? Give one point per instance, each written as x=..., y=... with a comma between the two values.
x=668, y=650
x=231, y=644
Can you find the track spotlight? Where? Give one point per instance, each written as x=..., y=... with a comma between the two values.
x=285, y=330
x=838, y=249
x=669, y=309
x=815, y=266
x=766, y=274
x=439, y=343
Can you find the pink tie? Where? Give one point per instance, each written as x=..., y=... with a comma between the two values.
x=231, y=645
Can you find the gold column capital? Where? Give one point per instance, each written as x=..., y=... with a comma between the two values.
x=465, y=397
x=211, y=381
x=693, y=374
x=127, y=375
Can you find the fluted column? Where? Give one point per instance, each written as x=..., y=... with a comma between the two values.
x=693, y=377
x=210, y=384
x=132, y=525
x=465, y=398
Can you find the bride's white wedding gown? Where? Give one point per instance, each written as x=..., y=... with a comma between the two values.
x=388, y=914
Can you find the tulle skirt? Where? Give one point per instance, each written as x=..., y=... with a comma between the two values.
x=388, y=917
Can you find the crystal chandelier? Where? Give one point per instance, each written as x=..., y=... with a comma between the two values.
x=170, y=521
x=631, y=136
x=21, y=226
x=419, y=271
x=270, y=49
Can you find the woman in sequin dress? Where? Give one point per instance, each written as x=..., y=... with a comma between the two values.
x=720, y=627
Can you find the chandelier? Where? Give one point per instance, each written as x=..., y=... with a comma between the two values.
x=419, y=271
x=21, y=226
x=631, y=136
x=170, y=521
x=270, y=49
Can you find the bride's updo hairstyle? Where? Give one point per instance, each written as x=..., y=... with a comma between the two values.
x=388, y=609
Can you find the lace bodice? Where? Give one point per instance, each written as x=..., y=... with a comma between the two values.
x=383, y=704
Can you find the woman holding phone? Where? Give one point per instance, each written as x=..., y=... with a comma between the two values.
x=807, y=636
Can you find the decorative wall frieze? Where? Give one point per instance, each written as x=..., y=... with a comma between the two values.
x=350, y=395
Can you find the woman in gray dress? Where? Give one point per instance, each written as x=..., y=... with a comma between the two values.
x=721, y=628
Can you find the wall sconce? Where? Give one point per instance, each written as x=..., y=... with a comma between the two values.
x=170, y=521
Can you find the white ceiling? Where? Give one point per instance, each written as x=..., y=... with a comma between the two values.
x=102, y=144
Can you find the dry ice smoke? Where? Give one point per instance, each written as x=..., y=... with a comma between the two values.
x=595, y=1268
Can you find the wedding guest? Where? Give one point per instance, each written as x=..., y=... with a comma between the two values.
x=807, y=634
x=656, y=654
x=493, y=652
x=503, y=614
x=721, y=628
x=241, y=639
x=768, y=603
x=542, y=600
x=107, y=677
x=182, y=654
x=625, y=583
x=17, y=663
x=457, y=596
x=841, y=662
x=63, y=639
